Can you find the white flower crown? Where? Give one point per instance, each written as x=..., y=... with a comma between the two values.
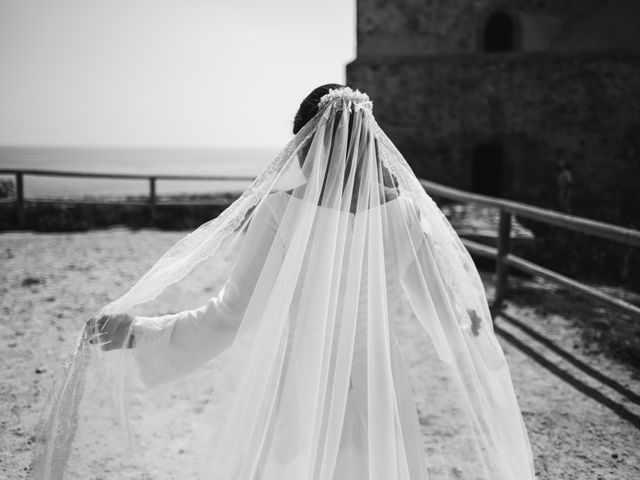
x=356, y=98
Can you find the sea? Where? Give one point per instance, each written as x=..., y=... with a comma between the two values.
x=146, y=161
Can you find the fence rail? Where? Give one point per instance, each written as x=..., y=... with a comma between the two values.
x=120, y=176
x=502, y=256
x=152, y=199
x=505, y=260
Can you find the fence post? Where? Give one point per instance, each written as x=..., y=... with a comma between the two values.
x=504, y=237
x=20, y=199
x=152, y=199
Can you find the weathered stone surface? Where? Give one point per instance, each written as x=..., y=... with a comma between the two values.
x=438, y=99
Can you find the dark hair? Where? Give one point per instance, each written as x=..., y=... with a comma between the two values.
x=309, y=106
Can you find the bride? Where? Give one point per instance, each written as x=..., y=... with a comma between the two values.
x=330, y=325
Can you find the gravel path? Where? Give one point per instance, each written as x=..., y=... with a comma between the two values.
x=582, y=410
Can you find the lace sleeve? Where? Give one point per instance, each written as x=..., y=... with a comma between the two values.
x=427, y=299
x=446, y=294
x=169, y=346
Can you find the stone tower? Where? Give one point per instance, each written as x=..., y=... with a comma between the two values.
x=492, y=95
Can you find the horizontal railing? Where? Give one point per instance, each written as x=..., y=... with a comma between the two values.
x=503, y=257
x=152, y=199
x=120, y=176
x=551, y=217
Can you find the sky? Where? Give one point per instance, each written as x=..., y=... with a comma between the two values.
x=179, y=73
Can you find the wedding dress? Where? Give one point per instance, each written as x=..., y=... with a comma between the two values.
x=286, y=359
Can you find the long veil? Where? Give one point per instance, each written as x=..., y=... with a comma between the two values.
x=329, y=324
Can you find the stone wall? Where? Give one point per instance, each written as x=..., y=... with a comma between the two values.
x=424, y=27
x=543, y=108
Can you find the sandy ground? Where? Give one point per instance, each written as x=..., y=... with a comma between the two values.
x=582, y=410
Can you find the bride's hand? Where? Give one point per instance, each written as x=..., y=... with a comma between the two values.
x=476, y=322
x=110, y=331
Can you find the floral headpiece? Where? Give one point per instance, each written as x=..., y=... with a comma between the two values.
x=357, y=98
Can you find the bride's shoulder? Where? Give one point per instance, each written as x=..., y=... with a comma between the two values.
x=401, y=200
x=278, y=198
x=409, y=213
x=267, y=212
x=275, y=202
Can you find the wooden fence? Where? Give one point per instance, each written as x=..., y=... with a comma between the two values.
x=504, y=259
x=152, y=199
x=502, y=256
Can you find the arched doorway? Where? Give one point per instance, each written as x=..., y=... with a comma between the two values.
x=487, y=169
x=499, y=33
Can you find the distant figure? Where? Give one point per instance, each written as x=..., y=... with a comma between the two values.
x=565, y=184
x=7, y=189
